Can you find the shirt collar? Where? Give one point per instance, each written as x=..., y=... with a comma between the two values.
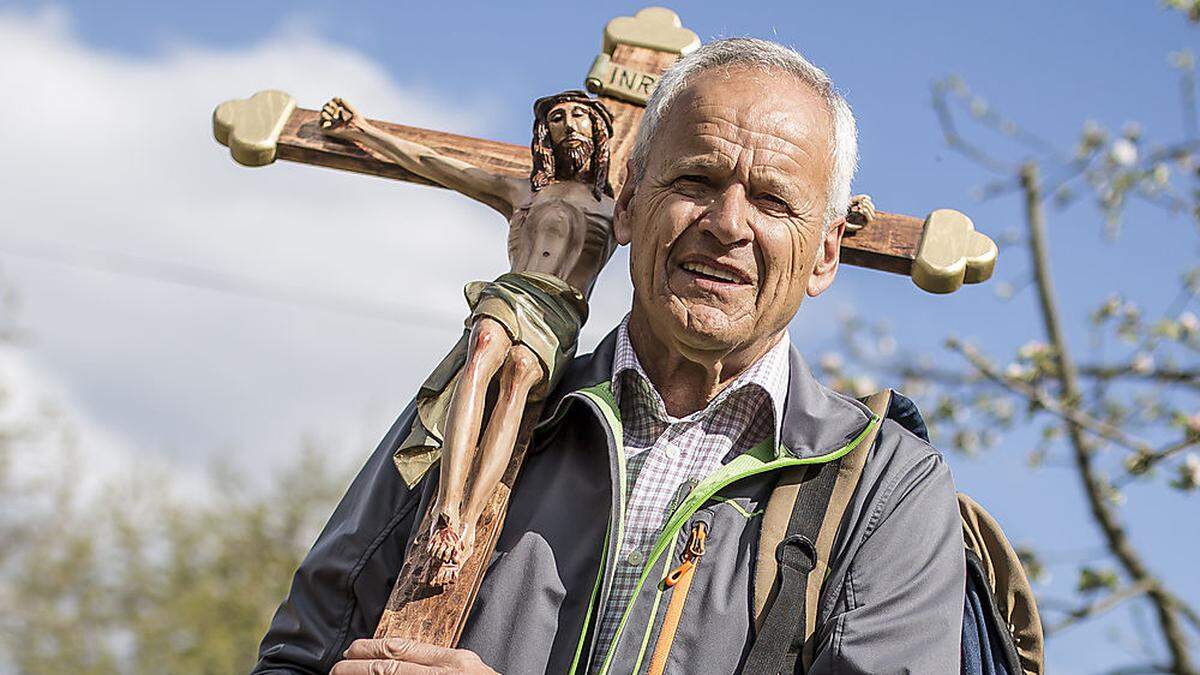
x=769, y=373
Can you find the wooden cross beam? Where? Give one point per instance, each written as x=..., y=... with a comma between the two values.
x=940, y=252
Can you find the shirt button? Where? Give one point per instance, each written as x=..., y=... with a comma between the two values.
x=671, y=452
x=635, y=558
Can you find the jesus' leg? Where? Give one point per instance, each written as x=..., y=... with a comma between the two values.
x=489, y=344
x=521, y=372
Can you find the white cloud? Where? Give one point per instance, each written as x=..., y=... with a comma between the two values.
x=108, y=157
x=109, y=162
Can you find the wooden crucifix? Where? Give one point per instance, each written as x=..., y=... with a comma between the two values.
x=557, y=196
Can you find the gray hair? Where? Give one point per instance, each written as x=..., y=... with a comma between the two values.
x=765, y=55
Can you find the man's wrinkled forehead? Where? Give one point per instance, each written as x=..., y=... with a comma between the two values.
x=783, y=122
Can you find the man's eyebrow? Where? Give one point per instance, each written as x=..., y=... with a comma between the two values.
x=706, y=161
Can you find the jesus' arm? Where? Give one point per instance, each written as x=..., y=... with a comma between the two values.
x=502, y=193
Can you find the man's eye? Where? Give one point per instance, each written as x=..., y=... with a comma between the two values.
x=692, y=186
x=774, y=202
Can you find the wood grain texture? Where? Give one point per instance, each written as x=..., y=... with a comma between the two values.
x=628, y=116
x=436, y=615
x=303, y=141
x=888, y=243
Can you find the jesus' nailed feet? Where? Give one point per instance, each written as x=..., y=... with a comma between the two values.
x=451, y=542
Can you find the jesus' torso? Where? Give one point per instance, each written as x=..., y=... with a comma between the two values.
x=562, y=230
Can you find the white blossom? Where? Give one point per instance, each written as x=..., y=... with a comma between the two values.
x=1189, y=323
x=1123, y=152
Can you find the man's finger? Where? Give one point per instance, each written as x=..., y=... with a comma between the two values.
x=399, y=649
x=381, y=667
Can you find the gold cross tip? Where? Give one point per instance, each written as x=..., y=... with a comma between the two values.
x=952, y=253
x=250, y=127
x=655, y=28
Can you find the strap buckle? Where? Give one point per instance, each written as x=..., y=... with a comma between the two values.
x=797, y=552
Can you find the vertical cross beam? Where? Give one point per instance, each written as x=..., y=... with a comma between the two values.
x=636, y=50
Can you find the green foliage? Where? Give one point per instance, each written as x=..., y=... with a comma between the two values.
x=133, y=579
x=1093, y=580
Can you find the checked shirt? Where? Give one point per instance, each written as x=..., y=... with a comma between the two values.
x=666, y=455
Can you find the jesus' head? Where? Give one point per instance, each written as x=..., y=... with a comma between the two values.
x=570, y=141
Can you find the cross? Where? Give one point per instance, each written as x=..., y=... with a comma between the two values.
x=940, y=252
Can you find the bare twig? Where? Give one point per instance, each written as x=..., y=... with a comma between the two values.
x=1146, y=669
x=1187, y=98
x=1185, y=376
x=1099, y=607
x=1188, y=613
x=957, y=142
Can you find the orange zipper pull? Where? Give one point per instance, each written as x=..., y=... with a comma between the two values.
x=681, y=579
x=691, y=555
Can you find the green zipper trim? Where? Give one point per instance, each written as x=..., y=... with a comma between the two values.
x=602, y=396
x=653, y=613
x=587, y=618
x=758, y=460
x=737, y=507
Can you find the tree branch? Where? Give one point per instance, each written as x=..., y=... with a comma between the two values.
x=956, y=141
x=1102, y=512
x=1185, y=376
x=1070, y=414
x=1099, y=607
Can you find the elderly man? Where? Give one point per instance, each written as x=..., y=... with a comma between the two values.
x=673, y=429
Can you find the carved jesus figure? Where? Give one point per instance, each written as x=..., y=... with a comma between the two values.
x=524, y=325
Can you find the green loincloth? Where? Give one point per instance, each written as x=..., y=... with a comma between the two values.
x=540, y=311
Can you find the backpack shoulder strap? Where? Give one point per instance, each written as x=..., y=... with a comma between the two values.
x=795, y=540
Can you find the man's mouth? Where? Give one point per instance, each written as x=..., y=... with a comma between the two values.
x=714, y=272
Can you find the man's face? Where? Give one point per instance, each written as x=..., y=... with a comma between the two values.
x=569, y=122
x=725, y=225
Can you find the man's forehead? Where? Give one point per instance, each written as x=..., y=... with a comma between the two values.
x=751, y=108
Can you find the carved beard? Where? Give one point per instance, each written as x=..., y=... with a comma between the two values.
x=572, y=159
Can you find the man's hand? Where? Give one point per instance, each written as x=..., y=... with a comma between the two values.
x=396, y=656
x=339, y=118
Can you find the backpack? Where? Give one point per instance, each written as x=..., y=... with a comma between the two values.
x=1001, y=631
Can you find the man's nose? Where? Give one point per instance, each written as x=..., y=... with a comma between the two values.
x=728, y=216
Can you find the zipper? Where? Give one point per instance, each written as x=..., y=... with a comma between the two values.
x=691, y=557
x=761, y=459
x=757, y=461
x=600, y=400
x=680, y=580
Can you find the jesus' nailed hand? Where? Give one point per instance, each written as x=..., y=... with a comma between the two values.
x=524, y=325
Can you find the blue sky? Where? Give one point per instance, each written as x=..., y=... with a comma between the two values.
x=474, y=68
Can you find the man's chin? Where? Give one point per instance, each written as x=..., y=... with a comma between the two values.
x=702, y=329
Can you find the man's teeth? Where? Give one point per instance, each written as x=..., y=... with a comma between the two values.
x=709, y=271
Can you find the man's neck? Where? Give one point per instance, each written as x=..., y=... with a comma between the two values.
x=688, y=379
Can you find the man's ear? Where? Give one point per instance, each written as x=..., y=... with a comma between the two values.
x=621, y=229
x=828, y=256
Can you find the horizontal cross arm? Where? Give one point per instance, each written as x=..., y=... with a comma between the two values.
x=303, y=141
x=940, y=253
